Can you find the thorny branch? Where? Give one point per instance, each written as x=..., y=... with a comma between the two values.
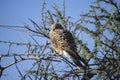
x=104, y=55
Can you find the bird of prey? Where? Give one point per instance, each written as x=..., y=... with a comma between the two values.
x=63, y=42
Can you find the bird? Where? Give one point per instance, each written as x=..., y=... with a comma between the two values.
x=63, y=43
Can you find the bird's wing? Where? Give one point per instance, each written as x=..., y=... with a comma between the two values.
x=62, y=39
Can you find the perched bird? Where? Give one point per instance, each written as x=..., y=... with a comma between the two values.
x=63, y=42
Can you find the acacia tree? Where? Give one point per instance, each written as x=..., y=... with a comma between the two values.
x=100, y=25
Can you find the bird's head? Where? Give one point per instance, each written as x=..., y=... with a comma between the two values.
x=56, y=26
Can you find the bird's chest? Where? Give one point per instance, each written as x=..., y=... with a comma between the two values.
x=57, y=42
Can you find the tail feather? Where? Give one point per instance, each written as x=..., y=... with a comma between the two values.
x=79, y=64
x=82, y=60
x=79, y=61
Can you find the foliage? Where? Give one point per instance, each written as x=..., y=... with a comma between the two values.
x=101, y=24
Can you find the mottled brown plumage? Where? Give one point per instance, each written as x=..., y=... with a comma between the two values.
x=63, y=42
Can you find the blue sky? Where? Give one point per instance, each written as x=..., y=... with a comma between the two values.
x=17, y=12
x=13, y=12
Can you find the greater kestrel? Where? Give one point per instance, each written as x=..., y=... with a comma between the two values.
x=63, y=42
